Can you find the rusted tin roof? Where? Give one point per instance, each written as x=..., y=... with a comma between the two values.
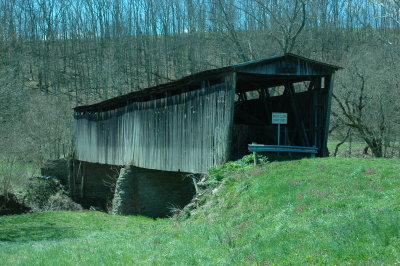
x=188, y=82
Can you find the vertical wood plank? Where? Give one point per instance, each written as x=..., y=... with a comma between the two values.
x=188, y=131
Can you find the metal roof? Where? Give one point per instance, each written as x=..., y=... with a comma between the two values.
x=188, y=81
x=287, y=56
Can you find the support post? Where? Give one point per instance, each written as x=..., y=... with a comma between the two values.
x=314, y=115
x=329, y=89
x=255, y=155
x=264, y=96
x=279, y=134
x=286, y=136
x=71, y=177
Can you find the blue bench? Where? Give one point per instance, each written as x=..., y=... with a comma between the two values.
x=255, y=148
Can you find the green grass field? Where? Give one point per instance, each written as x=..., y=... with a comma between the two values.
x=319, y=211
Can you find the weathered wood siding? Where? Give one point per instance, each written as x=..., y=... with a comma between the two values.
x=186, y=132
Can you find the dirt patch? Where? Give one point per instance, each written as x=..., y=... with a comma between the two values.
x=302, y=207
x=11, y=205
x=370, y=171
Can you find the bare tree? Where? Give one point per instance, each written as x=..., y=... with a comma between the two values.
x=63, y=53
x=288, y=20
x=366, y=101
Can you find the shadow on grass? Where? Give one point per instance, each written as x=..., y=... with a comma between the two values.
x=37, y=233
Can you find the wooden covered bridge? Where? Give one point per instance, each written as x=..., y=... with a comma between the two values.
x=208, y=118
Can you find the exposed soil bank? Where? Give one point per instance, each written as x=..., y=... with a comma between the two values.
x=11, y=205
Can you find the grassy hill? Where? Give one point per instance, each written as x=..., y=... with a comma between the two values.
x=319, y=211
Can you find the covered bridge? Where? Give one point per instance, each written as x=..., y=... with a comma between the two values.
x=197, y=122
x=205, y=119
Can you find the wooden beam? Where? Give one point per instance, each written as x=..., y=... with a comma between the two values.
x=318, y=113
x=310, y=86
x=290, y=89
x=264, y=96
x=242, y=96
x=314, y=115
x=328, y=86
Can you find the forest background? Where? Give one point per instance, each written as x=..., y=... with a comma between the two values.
x=56, y=54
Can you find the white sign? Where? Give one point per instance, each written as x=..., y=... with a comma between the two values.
x=279, y=118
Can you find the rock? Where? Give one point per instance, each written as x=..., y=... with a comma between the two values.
x=123, y=202
x=151, y=193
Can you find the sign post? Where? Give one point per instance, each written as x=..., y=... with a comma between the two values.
x=279, y=119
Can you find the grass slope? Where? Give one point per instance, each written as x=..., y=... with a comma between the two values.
x=320, y=211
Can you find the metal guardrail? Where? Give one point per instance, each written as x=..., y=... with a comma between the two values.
x=281, y=148
x=255, y=148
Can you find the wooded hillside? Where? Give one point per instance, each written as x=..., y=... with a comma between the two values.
x=56, y=54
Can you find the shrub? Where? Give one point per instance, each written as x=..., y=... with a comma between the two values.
x=48, y=194
x=40, y=190
x=61, y=202
x=216, y=174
